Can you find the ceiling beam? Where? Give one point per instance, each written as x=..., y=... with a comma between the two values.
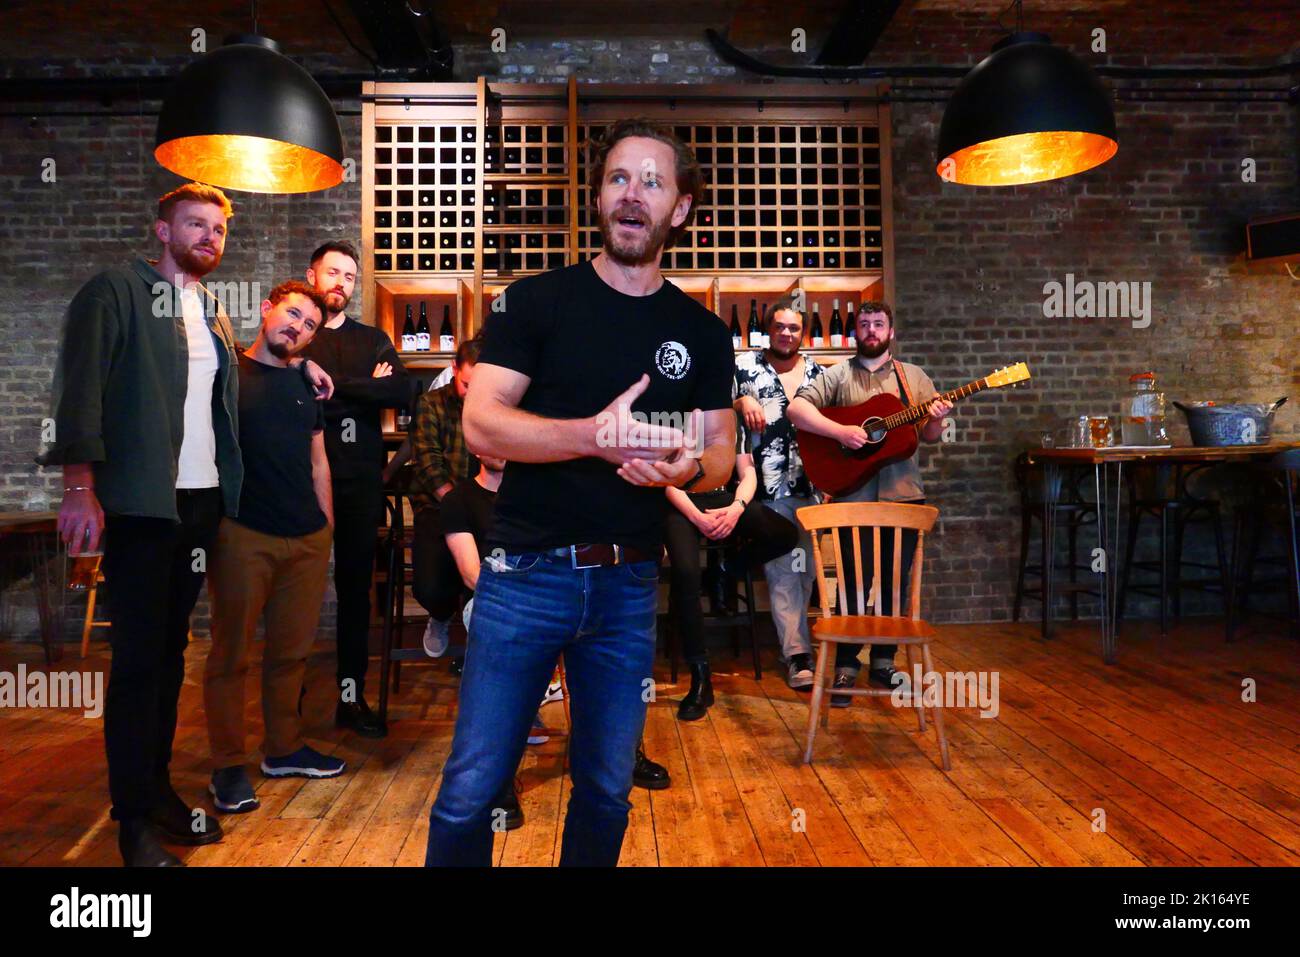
x=854, y=35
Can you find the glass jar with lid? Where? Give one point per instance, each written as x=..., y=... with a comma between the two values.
x=1143, y=422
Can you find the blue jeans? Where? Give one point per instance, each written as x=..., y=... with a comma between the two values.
x=528, y=610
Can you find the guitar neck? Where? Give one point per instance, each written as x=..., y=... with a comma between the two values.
x=915, y=413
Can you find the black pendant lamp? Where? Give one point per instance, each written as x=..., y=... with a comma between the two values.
x=245, y=117
x=1027, y=113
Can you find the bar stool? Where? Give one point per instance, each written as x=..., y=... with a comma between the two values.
x=397, y=540
x=90, y=622
x=1165, y=497
x=719, y=551
x=1072, y=513
x=1278, y=505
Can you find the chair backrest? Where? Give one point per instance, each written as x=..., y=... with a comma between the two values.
x=852, y=518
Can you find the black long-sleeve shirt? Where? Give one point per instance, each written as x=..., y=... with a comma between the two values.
x=353, y=437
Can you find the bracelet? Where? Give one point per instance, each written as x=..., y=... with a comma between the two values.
x=79, y=488
x=741, y=502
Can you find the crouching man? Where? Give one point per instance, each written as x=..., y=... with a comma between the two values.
x=271, y=563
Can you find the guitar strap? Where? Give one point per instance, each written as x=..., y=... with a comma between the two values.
x=903, y=392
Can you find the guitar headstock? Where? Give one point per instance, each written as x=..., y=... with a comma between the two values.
x=1008, y=375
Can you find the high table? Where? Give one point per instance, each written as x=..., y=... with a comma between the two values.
x=33, y=538
x=1108, y=469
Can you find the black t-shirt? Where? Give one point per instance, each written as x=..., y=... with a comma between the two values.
x=468, y=508
x=277, y=417
x=582, y=343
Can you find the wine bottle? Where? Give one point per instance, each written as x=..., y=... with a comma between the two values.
x=816, y=331
x=446, y=338
x=737, y=340
x=765, y=339
x=837, y=326
x=755, y=330
x=408, y=332
x=422, y=330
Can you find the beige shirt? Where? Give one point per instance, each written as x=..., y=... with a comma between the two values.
x=849, y=383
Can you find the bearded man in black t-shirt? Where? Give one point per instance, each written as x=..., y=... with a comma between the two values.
x=600, y=384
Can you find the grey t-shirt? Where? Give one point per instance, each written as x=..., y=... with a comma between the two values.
x=849, y=383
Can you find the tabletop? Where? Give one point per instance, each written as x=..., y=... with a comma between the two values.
x=1172, y=454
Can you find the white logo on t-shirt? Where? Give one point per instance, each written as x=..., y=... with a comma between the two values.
x=672, y=360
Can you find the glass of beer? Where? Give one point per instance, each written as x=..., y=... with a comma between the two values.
x=1099, y=427
x=84, y=571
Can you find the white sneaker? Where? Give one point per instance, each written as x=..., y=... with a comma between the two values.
x=554, y=692
x=437, y=635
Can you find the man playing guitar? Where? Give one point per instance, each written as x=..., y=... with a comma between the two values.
x=872, y=371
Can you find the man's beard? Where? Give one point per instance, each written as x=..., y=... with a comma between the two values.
x=336, y=302
x=190, y=261
x=281, y=350
x=873, y=352
x=793, y=351
x=637, y=252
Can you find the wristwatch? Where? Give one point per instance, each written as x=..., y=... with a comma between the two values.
x=699, y=474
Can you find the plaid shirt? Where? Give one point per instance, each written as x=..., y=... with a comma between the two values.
x=438, y=451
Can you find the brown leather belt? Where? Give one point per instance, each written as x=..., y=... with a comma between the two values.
x=602, y=554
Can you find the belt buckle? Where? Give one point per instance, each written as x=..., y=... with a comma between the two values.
x=573, y=557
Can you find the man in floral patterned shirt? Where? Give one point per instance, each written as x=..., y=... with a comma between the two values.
x=766, y=381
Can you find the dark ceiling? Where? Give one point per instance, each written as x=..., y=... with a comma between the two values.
x=937, y=30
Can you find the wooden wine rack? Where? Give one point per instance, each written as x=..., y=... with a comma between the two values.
x=467, y=187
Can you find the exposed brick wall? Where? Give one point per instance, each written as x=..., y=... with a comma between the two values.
x=971, y=265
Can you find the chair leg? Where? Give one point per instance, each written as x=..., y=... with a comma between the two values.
x=1176, y=566
x=753, y=623
x=911, y=668
x=564, y=687
x=1164, y=571
x=1234, y=572
x=89, y=623
x=815, y=706
x=1025, y=522
x=1221, y=553
x=938, y=712
x=1072, y=535
x=1130, y=549
x=1293, y=548
x=386, y=655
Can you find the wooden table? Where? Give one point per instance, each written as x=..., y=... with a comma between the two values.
x=1107, y=465
x=36, y=536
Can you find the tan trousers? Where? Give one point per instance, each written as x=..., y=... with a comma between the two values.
x=282, y=581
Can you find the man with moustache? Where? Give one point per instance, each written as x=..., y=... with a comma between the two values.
x=766, y=381
x=146, y=426
x=576, y=535
x=270, y=563
x=872, y=371
x=368, y=377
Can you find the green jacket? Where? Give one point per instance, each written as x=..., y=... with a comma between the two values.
x=119, y=391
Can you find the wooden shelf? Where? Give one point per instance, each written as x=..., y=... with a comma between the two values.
x=799, y=198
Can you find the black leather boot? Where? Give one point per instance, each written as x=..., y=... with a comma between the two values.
x=138, y=841
x=697, y=701
x=357, y=716
x=647, y=774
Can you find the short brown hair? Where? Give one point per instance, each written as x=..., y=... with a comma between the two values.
x=875, y=305
x=193, y=193
x=785, y=302
x=467, y=352
x=291, y=286
x=690, y=178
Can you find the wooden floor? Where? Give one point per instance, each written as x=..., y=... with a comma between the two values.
x=1161, y=744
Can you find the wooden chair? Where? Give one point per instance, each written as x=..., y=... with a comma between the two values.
x=90, y=621
x=833, y=629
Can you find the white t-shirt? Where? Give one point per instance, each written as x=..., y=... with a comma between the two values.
x=443, y=378
x=197, y=467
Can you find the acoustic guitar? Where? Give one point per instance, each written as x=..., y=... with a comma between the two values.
x=891, y=434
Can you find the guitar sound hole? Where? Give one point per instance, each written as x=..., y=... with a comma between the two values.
x=875, y=434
